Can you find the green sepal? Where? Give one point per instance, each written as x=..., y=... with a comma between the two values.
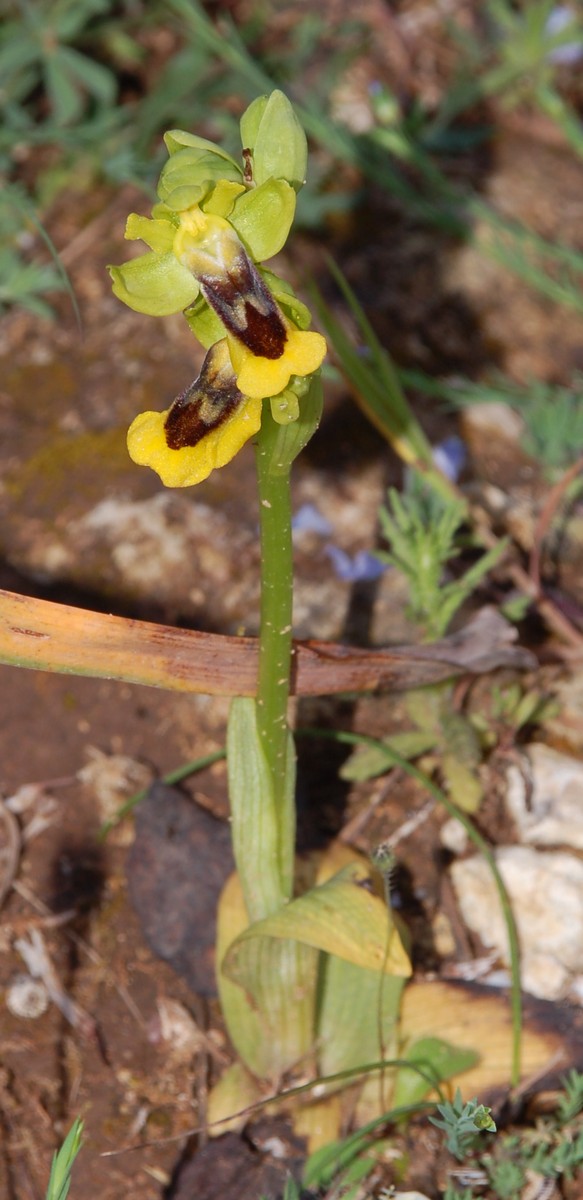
x=263, y=218
x=155, y=284
x=158, y=234
x=206, y=326
x=188, y=176
x=251, y=120
x=285, y=442
x=177, y=140
x=271, y=130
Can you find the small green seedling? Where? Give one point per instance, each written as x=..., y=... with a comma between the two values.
x=463, y=1124
x=60, y=1178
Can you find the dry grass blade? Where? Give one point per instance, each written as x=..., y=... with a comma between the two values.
x=53, y=637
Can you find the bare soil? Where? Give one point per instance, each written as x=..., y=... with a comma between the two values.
x=438, y=307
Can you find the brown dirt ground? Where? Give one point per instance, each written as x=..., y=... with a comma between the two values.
x=111, y=1065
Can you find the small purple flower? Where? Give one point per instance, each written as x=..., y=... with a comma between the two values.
x=360, y=567
x=564, y=56
x=450, y=457
x=309, y=519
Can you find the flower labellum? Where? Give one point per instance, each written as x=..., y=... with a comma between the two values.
x=204, y=428
x=265, y=349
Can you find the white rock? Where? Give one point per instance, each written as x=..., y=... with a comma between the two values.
x=550, y=811
x=453, y=836
x=27, y=997
x=546, y=892
x=409, y=1195
x=494, y=418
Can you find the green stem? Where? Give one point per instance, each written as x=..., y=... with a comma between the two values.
x=275, y=635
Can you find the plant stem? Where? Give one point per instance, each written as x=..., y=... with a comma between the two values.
x=275, y=635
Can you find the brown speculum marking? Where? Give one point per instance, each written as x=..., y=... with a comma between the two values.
x=203, y=406
x=247, y=308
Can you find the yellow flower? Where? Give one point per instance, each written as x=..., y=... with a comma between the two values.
x=204, y=428
x=260, y=376
x=266, y=350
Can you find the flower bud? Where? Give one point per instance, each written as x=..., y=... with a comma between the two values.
x=273, y=134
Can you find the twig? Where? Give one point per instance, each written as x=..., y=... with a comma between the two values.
x=545, y=519
x=10, y=855
x=360, y=819
x=554, y=618
x=51, y=918
x=37, y=959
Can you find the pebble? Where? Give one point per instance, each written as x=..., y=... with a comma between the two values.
x=545, y=801
x=26, y=997
x=546, y=893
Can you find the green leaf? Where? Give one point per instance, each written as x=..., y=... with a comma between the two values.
x=463, y=784
x=265, y=879
x=376, y=386
x=269, y=1012
x=354, y=1006
x=438, y=1059
x=60, y=1177
x=342, y=917
x=155, y=284
x=90, y=75
x=236, y=1090
x=263, y=218
x=64, y=95
x=366, y=762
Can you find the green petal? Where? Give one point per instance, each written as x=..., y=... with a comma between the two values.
x=222, y=198
x=263, y=218
x=155, y=284
x=178, y=139
x=188, y=176
x=161, y=212
x=158, y=235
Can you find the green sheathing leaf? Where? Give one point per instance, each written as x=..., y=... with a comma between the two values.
x=342, y=917
x=270, y=1012
x=357, y=1015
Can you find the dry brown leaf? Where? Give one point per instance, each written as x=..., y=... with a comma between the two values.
x=479, y=1018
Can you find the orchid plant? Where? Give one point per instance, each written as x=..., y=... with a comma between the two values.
x=310, y=961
